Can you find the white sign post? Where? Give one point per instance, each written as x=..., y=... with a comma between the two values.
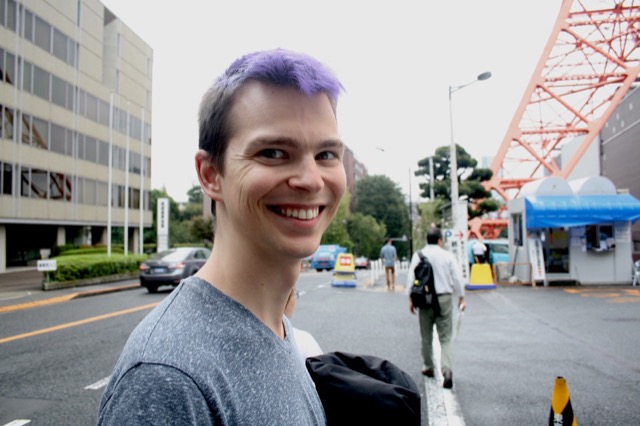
x=162, y=221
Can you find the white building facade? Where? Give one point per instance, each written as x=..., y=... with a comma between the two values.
x=75, y=128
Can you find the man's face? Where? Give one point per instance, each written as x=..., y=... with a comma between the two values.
x=283, y=176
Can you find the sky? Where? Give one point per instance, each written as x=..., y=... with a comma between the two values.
x=396, y=60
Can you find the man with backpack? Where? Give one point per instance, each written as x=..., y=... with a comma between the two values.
x=447, y=280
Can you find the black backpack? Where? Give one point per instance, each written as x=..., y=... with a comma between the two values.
x=423, y=292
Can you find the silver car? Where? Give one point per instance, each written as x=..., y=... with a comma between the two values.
x=172, y=266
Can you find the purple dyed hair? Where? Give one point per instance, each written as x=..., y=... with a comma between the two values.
x=278, y=67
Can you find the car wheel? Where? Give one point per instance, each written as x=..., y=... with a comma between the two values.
x=153, y=288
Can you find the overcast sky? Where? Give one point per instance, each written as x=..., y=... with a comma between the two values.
x=396, y=60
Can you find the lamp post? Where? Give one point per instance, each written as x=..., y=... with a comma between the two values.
x=453, y=156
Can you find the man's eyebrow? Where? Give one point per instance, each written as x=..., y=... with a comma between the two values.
x=291, y=142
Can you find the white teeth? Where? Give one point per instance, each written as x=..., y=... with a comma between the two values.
x=302, y=214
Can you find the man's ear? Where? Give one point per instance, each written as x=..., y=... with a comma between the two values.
x=208, y=175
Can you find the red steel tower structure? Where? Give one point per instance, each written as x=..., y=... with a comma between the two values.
x=588, y=65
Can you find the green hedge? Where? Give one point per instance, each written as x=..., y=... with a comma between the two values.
x=91, y=250
x=77, y=267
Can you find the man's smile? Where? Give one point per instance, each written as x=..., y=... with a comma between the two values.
x=298, y=213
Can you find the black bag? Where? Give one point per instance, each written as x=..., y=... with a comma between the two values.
x=364, y=390
x=423, y=292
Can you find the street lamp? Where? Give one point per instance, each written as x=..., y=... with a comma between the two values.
x=452, y=155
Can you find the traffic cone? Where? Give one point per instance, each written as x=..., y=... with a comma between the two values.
x=481, y=277
x=561, y=411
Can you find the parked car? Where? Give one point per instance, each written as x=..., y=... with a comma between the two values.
x=171, y=266
x=497, y=250
x=362, y=262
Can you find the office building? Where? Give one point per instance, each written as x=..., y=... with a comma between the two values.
x=75, y=128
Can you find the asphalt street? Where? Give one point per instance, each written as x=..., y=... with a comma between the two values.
x=514, y=341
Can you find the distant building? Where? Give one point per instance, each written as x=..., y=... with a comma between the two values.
x=620, y=151
x=75, y=97
x=355, y=171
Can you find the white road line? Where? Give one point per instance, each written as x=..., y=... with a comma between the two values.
x=19, y=422
x=442, y=404
x=99, y=384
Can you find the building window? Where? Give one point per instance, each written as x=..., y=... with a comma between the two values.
x=9, y=67
x=103, y=153
x=6, y=122
x=57, y=139
x=40, y=133
x=600, y=237
x=7, y=179
x=39, y=184
x=24, y=181
x=26, y=129
x=91, y=149
x=28, y=25
x=42, y=36
x=101, y=193
x=11, y=15
x=27, y=80
x=41, y=83
x=56, y=185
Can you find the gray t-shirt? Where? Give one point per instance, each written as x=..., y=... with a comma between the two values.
x=202, y=358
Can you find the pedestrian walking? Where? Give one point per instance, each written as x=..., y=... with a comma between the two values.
x=479, y=252
x=219, y=349
x=448, y=281
x=389, y=257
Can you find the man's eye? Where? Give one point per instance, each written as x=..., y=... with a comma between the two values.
x=272, y=153
x=327, y=155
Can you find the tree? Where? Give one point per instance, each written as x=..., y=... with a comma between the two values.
x=366, y=234
x=337, y=233
x=195, y=195
x=380, y=197
x=430, y=213
x=469, y=177
x=201, y=229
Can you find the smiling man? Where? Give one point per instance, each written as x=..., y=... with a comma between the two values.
x=219, y=349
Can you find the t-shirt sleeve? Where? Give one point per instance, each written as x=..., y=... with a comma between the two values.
x=155, y=394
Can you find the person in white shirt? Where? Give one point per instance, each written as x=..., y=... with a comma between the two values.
x=305, y=342
x=479, y=252
x=448, y=280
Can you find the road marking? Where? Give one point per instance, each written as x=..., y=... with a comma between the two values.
x=76, y=323
x=99, y=384
x=612, y=295
x=442, y=404
x=19, y=422
x=48, y=301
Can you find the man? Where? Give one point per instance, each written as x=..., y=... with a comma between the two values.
x=219, y=349
x=389, y=257
x=448, y=280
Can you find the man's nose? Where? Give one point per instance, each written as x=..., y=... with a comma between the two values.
x=307, y=176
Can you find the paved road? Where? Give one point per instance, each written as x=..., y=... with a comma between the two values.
x=513, y=343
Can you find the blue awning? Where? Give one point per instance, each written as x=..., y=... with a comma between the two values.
x=578, y=210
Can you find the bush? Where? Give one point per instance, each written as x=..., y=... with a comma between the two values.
x=91, y=250
x=84, y=266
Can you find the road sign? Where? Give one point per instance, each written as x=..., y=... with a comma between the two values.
x=47, y=265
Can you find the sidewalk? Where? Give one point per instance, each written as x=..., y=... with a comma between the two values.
x=22, y=287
